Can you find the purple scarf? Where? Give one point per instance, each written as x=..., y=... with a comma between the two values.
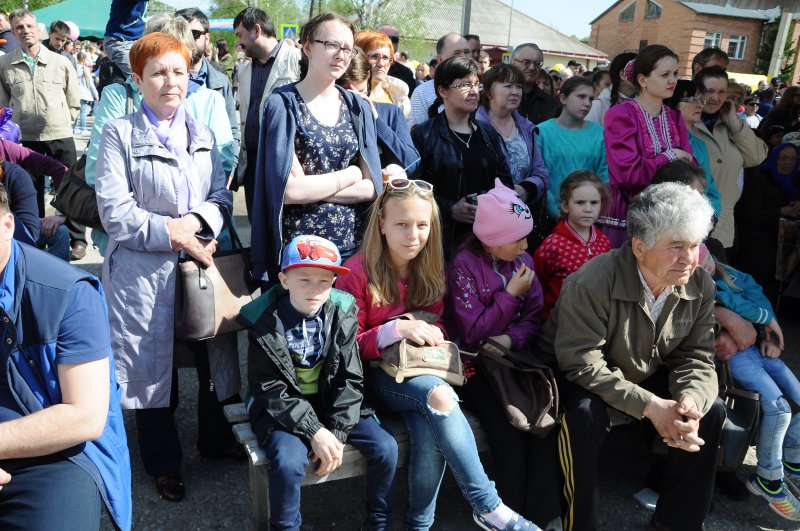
x=175, y=137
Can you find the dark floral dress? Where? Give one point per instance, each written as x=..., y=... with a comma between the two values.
x=322, y=149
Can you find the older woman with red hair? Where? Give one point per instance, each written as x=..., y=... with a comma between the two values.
x=161, y=196
x=380, y=54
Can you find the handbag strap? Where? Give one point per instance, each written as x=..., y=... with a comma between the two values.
x=228, y=222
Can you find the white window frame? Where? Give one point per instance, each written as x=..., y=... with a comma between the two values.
x=647, y=6
x=633, y=15
x=713, y=40
x=740, y=41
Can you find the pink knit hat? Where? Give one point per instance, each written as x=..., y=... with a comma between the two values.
x=502, y=217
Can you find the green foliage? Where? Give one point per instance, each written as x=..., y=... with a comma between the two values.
x=764, y=54
x=10, y=5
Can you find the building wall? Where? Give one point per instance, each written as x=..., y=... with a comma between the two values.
x=678, y=28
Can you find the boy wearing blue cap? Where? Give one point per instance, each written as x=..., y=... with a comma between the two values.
x=307, y=384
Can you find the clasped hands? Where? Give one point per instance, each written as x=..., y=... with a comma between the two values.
x=677, y=422
x=183, y=237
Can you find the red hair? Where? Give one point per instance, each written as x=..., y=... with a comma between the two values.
x=155, y=45
x=369, y=40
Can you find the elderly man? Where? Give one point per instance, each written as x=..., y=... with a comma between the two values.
x=537, y=106
x=62, y=439
x=446, y=47
x=634, y=330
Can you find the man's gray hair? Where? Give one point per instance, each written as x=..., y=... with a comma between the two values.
x=21, y=13
x=669, y=209
x=524, y=45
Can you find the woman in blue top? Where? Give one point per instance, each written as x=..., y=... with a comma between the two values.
x=317, y=160
x=570, y=143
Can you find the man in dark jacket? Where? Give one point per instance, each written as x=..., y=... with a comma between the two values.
x=537, y=106
x=307, y=383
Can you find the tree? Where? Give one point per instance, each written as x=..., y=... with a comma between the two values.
x=10, y=5
x=764, y=54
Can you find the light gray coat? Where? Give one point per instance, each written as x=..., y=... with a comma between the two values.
x=136, y=195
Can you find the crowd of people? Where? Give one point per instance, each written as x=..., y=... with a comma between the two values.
x=618, y=225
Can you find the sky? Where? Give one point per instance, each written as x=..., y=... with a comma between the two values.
x=571, y=17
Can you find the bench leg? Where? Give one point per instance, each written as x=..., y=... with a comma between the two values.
x=259, y=493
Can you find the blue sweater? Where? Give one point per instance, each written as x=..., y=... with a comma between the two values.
x=567, y=150
x=275, y=154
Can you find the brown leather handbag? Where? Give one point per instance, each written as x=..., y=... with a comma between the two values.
x=406, y=359
x=526, y=388
x=208, y=300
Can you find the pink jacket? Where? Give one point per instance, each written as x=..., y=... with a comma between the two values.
x=370, y=315
x=478, y=305
x=636, y=149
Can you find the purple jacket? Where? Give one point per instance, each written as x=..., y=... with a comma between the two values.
x=477, y=305
x=538, y=176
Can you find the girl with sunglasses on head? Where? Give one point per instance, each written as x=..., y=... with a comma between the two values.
x=461, y=156
x=493, y=294
x=318, y=162
x=400, y=269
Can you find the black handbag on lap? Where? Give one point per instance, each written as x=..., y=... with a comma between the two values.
x=743, y=409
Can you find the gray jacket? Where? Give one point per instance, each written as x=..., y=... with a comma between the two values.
x=135, y=196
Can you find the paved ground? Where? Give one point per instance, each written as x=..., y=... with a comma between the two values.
x=218, y=491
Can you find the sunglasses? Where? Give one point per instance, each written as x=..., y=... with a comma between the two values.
x=198, y=33
x=752, y=104
x=402, y=184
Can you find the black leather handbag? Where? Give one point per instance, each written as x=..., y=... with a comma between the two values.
x=743, y=409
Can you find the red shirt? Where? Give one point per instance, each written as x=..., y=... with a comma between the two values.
x=561, y=254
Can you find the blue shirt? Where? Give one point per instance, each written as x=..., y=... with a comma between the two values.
x=199, y=79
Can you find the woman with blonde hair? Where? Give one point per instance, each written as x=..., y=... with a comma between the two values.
x=380, y=54
x=400, y=269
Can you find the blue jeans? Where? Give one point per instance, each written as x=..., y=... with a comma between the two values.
x=81, y=119
x=288, y=458
x=57, y=244
x=435, y=438
x=779, y=431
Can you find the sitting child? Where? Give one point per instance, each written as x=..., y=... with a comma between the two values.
x=758, y=368
x=307, y=384
x=575, y=240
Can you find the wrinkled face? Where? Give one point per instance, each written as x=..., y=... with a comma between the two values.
x=715, y=94
x=380, y=60
x=583, y=207
x=505, y=95
x=406, y=225
x=26, y=30
x=510, y=251
x=579, y=102
x=529, y=60
x=668, y=262
x=691, y=109
x=787, y=160
x=455, y=45
x=660, y=83
x=309, y=287
x=462, y=95
x=163, y=83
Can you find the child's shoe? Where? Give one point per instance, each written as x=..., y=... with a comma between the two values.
x=782, y=501
x=517, y=523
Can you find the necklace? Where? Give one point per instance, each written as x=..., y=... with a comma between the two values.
x=500, y=130
x=465, y=142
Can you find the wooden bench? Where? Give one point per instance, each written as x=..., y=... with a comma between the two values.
x=353, y=463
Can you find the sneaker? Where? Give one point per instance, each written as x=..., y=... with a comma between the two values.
x=781, y=501
x=517, y=523
x=792, y=478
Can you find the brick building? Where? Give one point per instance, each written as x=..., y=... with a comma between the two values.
x=685, y=27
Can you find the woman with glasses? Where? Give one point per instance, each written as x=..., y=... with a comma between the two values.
x=460, y=156
x=642, y=134
x=380, y=54
x=400, y=269
x=688, y=100
x=318, y=162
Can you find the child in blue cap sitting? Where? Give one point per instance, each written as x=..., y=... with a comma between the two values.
x=307, y=384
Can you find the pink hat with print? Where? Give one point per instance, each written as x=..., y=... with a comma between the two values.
x=502, y=217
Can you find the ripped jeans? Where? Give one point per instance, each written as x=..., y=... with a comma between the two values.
x=779, y=431
x=436, y=438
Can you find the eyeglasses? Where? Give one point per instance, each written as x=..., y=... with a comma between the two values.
x=466, y=87
x=694, y=101
x=198, y=33
x=376, y=57
x=527, y=64
x=401, y=184
x=334, y=48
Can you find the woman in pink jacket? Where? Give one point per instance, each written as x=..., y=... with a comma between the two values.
x=493, y=293
x=642, y=134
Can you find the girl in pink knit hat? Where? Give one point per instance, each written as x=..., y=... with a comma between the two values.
x=493, y=293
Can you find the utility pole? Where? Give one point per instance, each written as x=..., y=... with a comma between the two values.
x=466, y=11
x=788, y=8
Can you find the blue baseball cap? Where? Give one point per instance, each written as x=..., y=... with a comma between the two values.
x=312, y=251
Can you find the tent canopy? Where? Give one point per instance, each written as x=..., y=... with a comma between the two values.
x=91, y=16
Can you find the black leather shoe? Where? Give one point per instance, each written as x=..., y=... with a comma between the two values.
x=170, y=487
x=233, y=450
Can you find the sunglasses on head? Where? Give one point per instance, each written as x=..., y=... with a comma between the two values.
x=401, y=184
